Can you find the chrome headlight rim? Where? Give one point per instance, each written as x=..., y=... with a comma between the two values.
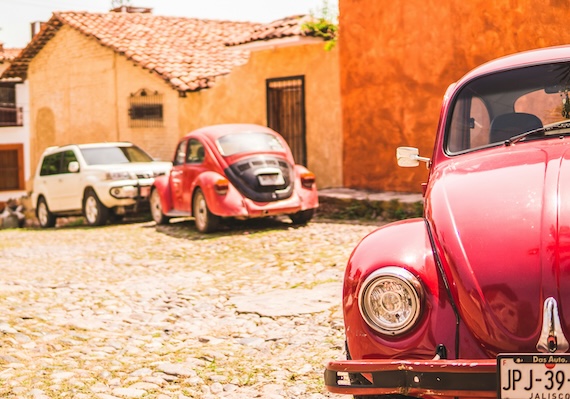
x=413, y=287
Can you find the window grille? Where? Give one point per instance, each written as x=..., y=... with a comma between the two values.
x=145, y=109
x=286, y=113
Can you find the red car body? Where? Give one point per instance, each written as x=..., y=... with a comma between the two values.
x=256, y=177
x=473, y=299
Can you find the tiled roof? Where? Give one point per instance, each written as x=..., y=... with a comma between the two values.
x=186, y=52
x=286, y=27
x=8, y=54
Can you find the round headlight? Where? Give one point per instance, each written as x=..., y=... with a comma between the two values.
x=390, y=300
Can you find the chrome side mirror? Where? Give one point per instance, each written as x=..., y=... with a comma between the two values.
x=408, y=157
x=73, y=167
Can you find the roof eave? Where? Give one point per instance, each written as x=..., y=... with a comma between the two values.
x=19, y=65
x=281, y=42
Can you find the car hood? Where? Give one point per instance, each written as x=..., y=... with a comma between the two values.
x=501, y=222
x=142, y=169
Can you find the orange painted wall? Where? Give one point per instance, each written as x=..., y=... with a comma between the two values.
x=397, y=59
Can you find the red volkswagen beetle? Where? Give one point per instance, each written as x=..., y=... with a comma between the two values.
x=473, y=299
x=237, y=171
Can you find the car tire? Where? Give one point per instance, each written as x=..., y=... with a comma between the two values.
x=95, y=213
x=206, y=221
x=302, y=217
x=44, y=215
x=156, y=208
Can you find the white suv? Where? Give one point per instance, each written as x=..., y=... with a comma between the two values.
x=101, y=181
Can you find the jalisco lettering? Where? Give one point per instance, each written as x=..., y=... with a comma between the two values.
x=549, y=395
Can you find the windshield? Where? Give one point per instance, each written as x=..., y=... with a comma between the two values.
x=495, y=108
x=248, y=142
x=114, y=155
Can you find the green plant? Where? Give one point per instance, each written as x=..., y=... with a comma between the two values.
x=324, y=23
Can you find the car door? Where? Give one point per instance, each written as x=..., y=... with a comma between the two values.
x=194, y=165
x=70, y=186
x=176, y=176
x=47, y=181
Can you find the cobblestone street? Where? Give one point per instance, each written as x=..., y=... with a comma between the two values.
x=136, y=311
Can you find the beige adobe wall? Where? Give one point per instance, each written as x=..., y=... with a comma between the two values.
x=240, y=97
x=159, y=142
x=72, y=96
x=3, y=66
x=79, y=93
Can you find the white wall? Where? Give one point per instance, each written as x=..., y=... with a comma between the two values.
x=19, y=135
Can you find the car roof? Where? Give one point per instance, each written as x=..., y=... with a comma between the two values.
x=213, y=132
x=525, y=58
x=52, y=149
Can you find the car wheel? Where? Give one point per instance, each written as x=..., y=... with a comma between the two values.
x=156, y=208
x=206, y=221
x=45, y=217
x=302, y=217
x=96, y=214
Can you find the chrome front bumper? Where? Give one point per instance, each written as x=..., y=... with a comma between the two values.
x=461, y=378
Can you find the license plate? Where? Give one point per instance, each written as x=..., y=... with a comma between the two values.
x=271, y=180
x=533, y=376
x=145, y=191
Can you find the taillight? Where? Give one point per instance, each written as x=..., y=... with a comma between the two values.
x=307, y=179
x=222, y=186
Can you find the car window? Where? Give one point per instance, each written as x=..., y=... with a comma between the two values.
x=196, y=152
x=114, y=155
x=471, y=131
x=180, y=154
x=494, y=108
x=51, y=164
x=248, y=142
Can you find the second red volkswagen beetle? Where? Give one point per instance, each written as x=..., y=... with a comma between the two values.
x=239, y=171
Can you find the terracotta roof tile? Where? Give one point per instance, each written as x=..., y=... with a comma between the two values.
x=186, y=52
x=8, y=54
x=286, y=27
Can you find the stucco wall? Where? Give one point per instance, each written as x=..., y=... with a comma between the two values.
x=397, y=59
x=10, y=135
x=159, y=142
x=240, y=97
x=79, y=93
x=71, y=93
x=3, y=66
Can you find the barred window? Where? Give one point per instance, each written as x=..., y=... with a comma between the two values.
x=145, y=109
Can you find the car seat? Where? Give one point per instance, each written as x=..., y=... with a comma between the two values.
x=508, y=125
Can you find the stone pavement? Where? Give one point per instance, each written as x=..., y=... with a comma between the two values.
x=139, y=311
